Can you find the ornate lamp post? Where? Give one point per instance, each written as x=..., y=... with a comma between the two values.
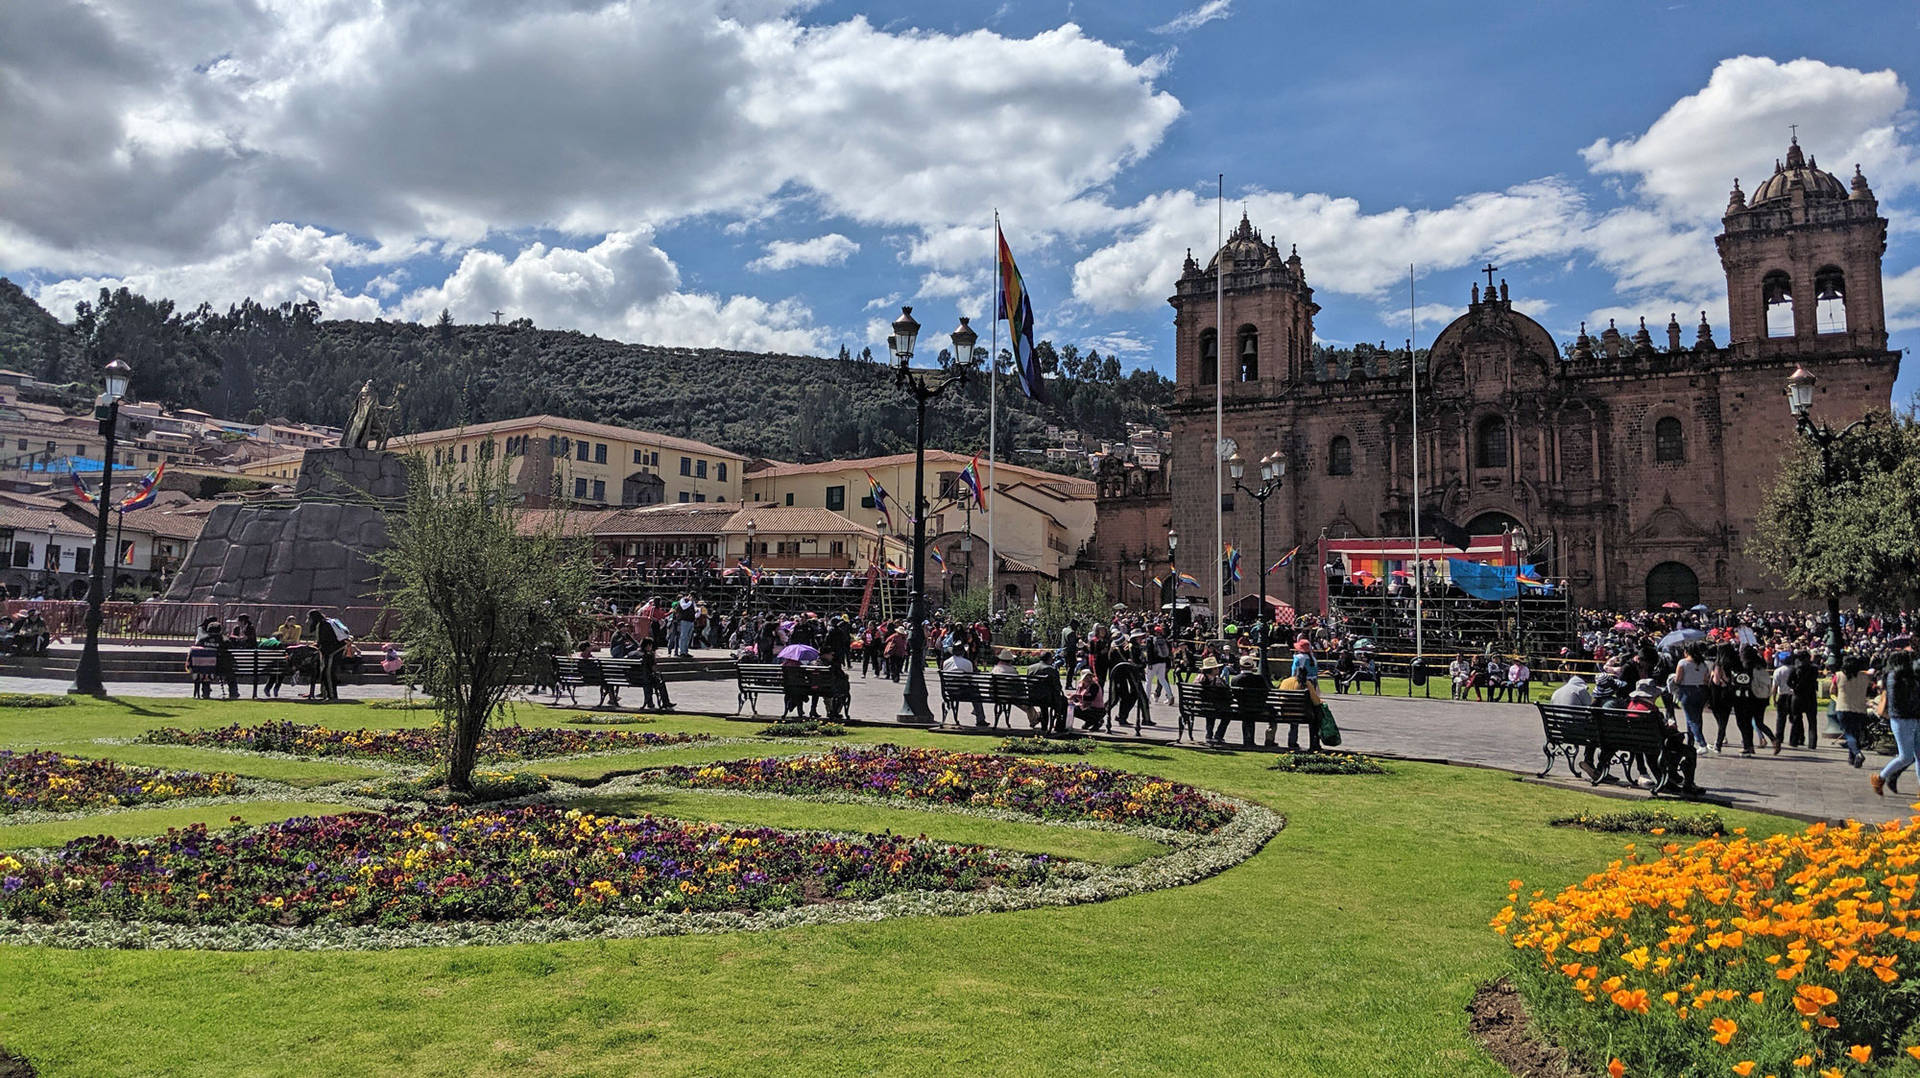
x=1144, y=605
x=86, y=677
x=751, y=551
x=1273, y=466
x=925, y=386
x=1800, y=402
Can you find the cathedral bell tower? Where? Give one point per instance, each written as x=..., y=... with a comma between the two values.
x=1267, y=314
x=1802, y=258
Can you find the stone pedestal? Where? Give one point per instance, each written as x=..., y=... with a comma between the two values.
x=315, y=550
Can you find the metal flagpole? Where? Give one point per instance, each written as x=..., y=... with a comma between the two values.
x=1419, y=567
x=1219, y=400
x=993, y=398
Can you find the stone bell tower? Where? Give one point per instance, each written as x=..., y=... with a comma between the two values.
x=1802, y=258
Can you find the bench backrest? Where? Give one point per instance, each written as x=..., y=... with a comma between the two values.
x=1569, y=723
x=1635, y=731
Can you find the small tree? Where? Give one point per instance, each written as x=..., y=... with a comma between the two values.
x=1848, y=522
x=482, y=588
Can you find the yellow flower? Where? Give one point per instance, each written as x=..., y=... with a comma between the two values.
x=1861, y=1052
x=1743, y=1068
x=1723, y=1031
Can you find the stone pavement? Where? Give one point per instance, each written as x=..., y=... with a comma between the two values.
x=1814, y=785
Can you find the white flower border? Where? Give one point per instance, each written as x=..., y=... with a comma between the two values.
x=1192, y=859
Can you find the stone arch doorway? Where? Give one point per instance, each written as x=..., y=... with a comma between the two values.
x=1672, y=582
x=1492, y=522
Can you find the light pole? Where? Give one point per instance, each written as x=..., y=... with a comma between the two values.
x=86, y=677
x=1173, y=575
x=750, y=572
x=1516, y=540
x=1800, y=401
x=1144, y=606
x=1273, y=467
x=925, y=386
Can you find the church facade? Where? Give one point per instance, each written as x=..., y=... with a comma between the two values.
x=1635, y=464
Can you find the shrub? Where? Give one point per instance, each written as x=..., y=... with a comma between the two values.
x=1784, y=955
x=487, y=786
x=803, y=728
x=34, y=699
x=1044, y=746
x=1328, y=763
x=404, y=703
x=417, y=745
x=609, y=719
x=1648, y=822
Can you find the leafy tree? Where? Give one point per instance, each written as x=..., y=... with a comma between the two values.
x=1846, y=521
x=482, y=589
x=168, y=364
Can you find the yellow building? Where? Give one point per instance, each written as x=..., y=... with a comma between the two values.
x=573, y=460
x=1041, y=520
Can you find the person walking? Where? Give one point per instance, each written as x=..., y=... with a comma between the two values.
x=1848, y=687
x=327, y=639
x=1721, y=665
x=1900, y=705
x=1690, y=688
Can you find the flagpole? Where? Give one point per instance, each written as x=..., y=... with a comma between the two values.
x=1219, y=399
x=119, y=529
x=993, y=401
x=1419, y=569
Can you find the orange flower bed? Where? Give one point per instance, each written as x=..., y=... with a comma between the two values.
x=1779, y=956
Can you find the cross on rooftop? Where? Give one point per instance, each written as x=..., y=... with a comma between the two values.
x=1489, y=269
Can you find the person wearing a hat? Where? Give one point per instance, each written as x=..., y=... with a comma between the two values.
x=1212, y=689
x=1678, y=757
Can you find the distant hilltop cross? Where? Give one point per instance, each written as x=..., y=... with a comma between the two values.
x=496, y=316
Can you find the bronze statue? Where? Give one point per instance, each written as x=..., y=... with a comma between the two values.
x=368, y=423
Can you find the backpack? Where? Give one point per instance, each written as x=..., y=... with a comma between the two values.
x=1904, y=693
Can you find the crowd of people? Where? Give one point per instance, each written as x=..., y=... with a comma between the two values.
x=319, y=649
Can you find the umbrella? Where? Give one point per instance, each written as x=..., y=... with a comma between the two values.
x=1671, y=606
x=1624, y=626
x=1700, y=608
x=799, y=653
x=1681, y=636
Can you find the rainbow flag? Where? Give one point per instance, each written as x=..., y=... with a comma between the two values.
x=79, y=489
x=1285, y=560
x=880, y=500
x=128, y=558
x=970, y=478
x=1187, y=581
x=937, y=559
x=142, y=495
x=1233, y=563
x=1530, y=580
x=1016, y=307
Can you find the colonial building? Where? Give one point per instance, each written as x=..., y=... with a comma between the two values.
x=1635, y=464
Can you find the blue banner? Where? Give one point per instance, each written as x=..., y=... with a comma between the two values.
x=1488, y=581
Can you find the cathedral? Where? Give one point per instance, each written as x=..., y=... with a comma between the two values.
x=1634, y=461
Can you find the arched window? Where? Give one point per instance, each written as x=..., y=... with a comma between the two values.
x=1340, y=456
x=1209, y=358
x=1777, y=290
x=1672, y=582
x=1830, y=300
x=1246, y=347
x=1490, y=445
x=1669, y=441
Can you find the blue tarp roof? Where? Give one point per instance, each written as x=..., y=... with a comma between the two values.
x=66, y=464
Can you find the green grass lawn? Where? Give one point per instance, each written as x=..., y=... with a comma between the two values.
x=1348, y=946
x=143, y=822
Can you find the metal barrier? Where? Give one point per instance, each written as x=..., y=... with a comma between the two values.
x=168, y=621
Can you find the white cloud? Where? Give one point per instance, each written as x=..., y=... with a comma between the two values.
x=283, y=264
x=1685, y=162
x=832, y=249
x=1196, y=17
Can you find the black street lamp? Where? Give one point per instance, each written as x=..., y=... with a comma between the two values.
x=86, y=676
x=1144, y=606
x=1273, y=466
x=925, y=386
x=750, y=569
x=1800, y=401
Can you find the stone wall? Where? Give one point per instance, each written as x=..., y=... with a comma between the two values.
x=315, y=550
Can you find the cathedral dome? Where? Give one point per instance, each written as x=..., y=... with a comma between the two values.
x=1797, y=172
x=1246, y=248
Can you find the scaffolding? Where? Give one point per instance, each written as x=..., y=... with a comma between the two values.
x=1536, y=625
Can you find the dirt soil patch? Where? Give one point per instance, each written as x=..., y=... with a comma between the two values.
x=13, y=1066
x=1498, y=1020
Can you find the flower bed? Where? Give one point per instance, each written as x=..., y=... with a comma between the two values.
x=803, y=728
x=50, y=782
x=414, y=745
x=1786, y=955
x=1047, y=746
x=1328, y=763
x=1654, y=822
x=1036, y=787
x=458, y=865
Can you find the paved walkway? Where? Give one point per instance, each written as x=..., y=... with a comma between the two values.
x=1807, y=784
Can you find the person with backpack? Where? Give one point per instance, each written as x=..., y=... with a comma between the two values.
x=1900, y=706
x=1848, y=687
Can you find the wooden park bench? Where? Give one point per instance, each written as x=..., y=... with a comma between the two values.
x=1631, y=739
x=1287, y=707
x=1003, y=693
x=793, y=683
x=257, y=663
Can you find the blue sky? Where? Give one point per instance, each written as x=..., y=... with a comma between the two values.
x=776, y=175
